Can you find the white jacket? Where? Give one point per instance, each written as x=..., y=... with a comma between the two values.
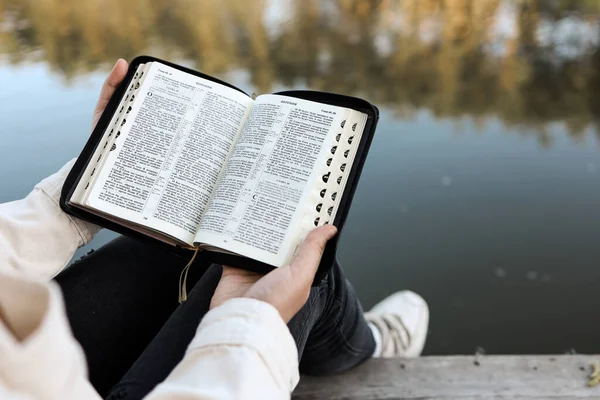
x=242, y=349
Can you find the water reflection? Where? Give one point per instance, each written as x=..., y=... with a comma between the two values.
x=525, y=63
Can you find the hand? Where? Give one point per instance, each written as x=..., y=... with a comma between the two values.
x=112, y=82
x=286, y=288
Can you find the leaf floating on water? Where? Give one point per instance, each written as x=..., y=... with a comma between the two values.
x=595, y=376
x=595, y=370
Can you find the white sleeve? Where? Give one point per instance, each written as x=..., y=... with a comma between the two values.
x=242, y=350
x=40, y=358
x=7, y=393
x=36, y=237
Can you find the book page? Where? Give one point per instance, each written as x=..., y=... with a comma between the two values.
x=172, y=148
x=259, y=208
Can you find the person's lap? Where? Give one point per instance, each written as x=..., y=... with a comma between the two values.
x=117, y=299
x=122, y=304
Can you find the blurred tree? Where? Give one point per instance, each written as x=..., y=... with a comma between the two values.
x=517, y=61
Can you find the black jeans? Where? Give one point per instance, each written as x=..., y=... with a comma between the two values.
x=122, y=305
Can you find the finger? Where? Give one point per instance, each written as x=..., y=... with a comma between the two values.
x=233, y=271
x=111, y=83
x=306, y=261
x=229, y=270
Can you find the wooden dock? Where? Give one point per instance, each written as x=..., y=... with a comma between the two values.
x=563, y=377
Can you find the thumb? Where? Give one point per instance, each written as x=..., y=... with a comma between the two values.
x=307, y=259
x=287, y=288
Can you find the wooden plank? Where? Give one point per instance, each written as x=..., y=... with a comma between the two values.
x=562, y=377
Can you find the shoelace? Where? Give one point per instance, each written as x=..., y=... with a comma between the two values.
x=395, y=338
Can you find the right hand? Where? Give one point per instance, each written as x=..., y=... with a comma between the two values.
x=286, y=288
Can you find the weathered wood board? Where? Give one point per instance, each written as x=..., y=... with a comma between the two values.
x=562, y=377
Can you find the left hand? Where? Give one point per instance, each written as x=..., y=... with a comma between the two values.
x=112, y=82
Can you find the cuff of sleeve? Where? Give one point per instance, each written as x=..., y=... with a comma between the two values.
x=52, y=187
x=254, y=324
x=33, y=359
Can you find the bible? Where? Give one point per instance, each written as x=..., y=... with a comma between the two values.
x=186, y=160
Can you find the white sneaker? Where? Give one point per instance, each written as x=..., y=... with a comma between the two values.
x=399, y=324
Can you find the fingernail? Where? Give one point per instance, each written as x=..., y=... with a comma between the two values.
x=332, y=231
x=117, y=63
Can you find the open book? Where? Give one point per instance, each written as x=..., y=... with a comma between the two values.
x=194, y=162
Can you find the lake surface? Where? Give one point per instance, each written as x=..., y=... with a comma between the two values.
x=482, y=187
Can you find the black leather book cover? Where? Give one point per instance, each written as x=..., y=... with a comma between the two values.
x=221, y=258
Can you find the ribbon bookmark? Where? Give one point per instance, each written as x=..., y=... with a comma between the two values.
x=183, y=278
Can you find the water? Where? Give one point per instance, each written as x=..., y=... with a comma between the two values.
x=482, y=188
